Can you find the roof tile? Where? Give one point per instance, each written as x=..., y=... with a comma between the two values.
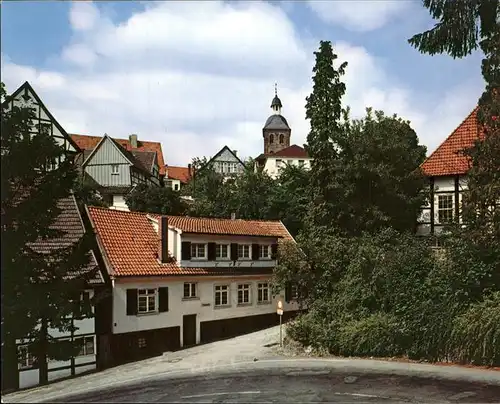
x=179, y=173
x=130, y=241
x=448, y=158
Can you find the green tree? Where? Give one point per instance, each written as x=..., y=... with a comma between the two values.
x=379, y=184
x=153, y=199
x=324, y=111
x=41, y=285
x=290, y=198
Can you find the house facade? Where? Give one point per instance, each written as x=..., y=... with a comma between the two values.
x=181, y=281
x=71, y=224
x=227, y=163
x=277, y=149
x=117, y=165
x=177, y=177
x=446, y=170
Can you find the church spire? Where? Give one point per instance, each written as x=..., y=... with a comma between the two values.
x=276, y=103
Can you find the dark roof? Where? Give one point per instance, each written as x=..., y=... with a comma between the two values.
x=276, y=101
x=145, y=158
x=70, y=224
x=276, y=121
x=136, y=162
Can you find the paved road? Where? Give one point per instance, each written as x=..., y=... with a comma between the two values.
x=298, y=386
x=248, y=368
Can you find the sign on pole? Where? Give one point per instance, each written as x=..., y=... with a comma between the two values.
x=279, y=311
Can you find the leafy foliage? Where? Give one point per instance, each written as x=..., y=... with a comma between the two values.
x=40, y=288
x=153, y=199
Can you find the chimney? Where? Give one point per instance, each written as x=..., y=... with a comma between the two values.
x=235, y=152
x=133, y=141
x=163, y=244
x=233, y=216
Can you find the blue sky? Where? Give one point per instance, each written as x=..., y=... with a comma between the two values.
x=199, y=75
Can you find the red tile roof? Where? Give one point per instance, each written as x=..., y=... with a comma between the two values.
x=90, y=142
x=293, y=151
x=448, y=158
x=130, y=242
x=178, y=173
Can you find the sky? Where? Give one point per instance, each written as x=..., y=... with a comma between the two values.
x=197, y=76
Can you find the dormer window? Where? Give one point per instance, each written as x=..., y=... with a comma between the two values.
x=114, y=169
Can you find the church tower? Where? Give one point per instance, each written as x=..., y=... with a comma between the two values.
x=276, y=131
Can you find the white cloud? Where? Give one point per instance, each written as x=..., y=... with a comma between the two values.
x=361, y=16
x=198, y=78
x=83, y=15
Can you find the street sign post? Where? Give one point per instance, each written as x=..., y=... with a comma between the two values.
x=279, y=311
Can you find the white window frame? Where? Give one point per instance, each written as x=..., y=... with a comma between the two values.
x=150, y=295
x=244, y=289
x=218, y=249
x=115, y=169
x=294, y=292
x=448, y=210
x=301, y=163
x=242, y=246
x=265, y=252
x=221, y=290
x=84, y=351
x=195, y=247
x=26, y=359
x=278, y=162
x=193, y=290
x=263, y=288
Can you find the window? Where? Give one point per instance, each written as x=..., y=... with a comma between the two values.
x=244, y=251
x=198, y=251
x=114, y=169
x=146, y=300
x=271, y=138
x=189, y=290
x=301, y=162
x=263, y=293
x=25, y=358
x=222, y=295
x=445, y=208
x=45, y=128
x=86, y=346
x=282, y=139
x=244, y=294
x=265, y=252
x=222, y=251
x=176, y=187
x=278, y=163
x=290, y=162
x=294, y=292
x=141, y=342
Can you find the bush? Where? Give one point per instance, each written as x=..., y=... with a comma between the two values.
x=376, y=335
x=475, y=337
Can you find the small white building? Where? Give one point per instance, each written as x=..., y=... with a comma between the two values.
x=179, y=281
x=292, y=156
x=446, y=170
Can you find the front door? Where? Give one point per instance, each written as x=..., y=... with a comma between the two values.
x=189, y=330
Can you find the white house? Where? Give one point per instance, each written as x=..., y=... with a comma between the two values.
x=274, y=162
x=70, y=222
x=179, y=281
x=446, y=169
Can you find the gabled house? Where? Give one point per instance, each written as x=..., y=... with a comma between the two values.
x=177, y=177
x=226, y=162
x=271, y=163
x=446, y=170
x=70, y=223
x=117, y=170
x=179, y=281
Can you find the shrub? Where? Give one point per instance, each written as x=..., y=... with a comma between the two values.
x=475, y=337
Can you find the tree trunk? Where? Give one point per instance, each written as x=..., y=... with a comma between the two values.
x=10, y=372
x=42, y=354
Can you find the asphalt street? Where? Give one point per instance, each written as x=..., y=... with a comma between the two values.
x=326, y=385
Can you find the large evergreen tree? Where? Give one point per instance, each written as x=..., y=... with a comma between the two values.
x=41, y=284
x=324, y=111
